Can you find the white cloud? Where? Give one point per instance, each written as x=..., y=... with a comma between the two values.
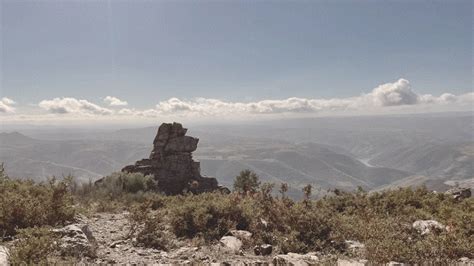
x=394, y=97
x=73, y=106
x=114, y=101
x=393, y=94
x=6, y=105
x=205, y=106
x=398, y=93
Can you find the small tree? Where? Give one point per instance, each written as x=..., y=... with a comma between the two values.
x=283, y=189
x=246, y=181
x=2, y=172
x=307, y=191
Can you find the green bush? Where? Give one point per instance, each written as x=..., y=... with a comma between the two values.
x=113, y=192
x=209, y=215
x=382, y=221
x=148, y=226
x=119, y=183
x=35, y=246
x=26, y=204
x=246, y=181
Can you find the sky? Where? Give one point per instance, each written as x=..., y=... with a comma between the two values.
x=89, y=60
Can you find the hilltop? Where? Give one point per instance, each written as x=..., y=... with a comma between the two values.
x=162, y=210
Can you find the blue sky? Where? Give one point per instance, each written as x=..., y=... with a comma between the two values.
x=144, y=52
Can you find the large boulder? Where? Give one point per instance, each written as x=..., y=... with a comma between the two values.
x=76, y=240
x=427, y=226
x=171, y=163
x=459, y=193
x=4, y=255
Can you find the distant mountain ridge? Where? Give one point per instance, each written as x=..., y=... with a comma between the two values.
x=328, y=153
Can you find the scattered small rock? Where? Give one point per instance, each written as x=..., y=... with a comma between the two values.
x=466, y=261
x=394, y=263
x=141, y=253
x=427, y=226
x=116, y=243
x=352, y=244
x=355, y=247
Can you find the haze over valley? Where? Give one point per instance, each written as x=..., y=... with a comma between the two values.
x=373, y=152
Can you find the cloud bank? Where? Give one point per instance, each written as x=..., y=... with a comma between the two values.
x=390, y=97
x=394, y=94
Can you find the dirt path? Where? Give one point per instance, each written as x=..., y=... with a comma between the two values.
x=110, y=232
x=115, y=247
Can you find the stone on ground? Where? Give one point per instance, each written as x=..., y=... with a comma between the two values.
x=427, y=226
x=231, y=243
x=296, y=259
x=4, y=255
x=459, y=193
x=76, y=240
x=352, y=262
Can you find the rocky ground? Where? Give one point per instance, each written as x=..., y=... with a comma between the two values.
x=106, y=239
x=114, y=245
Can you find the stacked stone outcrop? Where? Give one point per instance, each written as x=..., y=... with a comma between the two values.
x=171, y=162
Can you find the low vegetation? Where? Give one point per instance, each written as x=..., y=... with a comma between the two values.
x=25, y=204
x=114, y=192
x=382, y=220
x=35, y=246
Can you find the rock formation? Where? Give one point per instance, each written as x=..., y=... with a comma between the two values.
x=171, y=162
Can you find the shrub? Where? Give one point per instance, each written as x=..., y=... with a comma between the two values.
x=27, y=204
x=209, y=215
x=383, y=221
x=148, y=226
x=119, y=183
x=116, y=191
x=35, y=245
